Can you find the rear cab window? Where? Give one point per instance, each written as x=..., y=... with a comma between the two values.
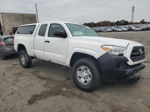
x=28, y=29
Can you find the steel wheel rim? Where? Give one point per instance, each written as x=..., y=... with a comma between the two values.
x=84, y=75
x=22, y=59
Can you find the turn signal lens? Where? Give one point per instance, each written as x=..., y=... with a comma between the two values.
x=105, y=48
x=117, y=50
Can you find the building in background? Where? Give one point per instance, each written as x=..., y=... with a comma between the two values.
x=9, y=22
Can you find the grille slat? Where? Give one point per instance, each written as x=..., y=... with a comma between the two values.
x=138, y=53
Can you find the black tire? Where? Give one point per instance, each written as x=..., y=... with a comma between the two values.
x=27, y=59
x=96, y=75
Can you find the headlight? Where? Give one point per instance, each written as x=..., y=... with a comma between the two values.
x=114, y=49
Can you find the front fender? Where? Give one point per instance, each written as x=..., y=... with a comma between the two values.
x=85, y=51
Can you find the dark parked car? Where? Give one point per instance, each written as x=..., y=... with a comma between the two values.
x=6, y=46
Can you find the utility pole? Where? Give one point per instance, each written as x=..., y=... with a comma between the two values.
x=37, y=16
x=133, y=10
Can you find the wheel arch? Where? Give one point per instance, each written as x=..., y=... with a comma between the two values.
x=21, y=47
x=78, y=55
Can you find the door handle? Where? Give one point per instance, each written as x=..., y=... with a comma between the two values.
x=46, y=41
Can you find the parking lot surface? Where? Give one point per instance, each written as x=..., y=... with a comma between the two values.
x=47, y=87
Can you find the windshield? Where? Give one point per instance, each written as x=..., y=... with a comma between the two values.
x=79, y=30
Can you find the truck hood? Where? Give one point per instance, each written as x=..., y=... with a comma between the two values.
x=105, y=40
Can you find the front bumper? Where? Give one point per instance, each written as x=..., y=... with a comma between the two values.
x=115, y=67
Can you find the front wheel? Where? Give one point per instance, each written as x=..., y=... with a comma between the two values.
x=25, y=59
x=86, y=74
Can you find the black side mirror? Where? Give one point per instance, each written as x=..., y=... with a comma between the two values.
x=61, y=34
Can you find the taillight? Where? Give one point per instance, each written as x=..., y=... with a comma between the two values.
x=2, y=43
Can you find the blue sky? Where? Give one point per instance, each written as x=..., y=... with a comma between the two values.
x=80, y=11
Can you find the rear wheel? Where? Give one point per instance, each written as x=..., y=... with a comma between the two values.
x=86, y=74
x=25, y=59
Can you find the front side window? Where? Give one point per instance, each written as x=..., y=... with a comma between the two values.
x=55, y=28
x=26, y=29
x=79, y=30
x=42, y=30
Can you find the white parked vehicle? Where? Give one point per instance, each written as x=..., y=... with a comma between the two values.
x=93, y=58
x=135, y=28
x=118, y=29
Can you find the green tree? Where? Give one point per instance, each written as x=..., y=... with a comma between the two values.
x=142, y=21
x=122, y=22
x=91, y=24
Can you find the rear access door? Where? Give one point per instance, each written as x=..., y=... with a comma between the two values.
x=39, y=41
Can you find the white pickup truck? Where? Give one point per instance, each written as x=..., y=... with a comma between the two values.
x=93, y=58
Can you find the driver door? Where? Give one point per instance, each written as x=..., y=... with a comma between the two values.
x=55, y=47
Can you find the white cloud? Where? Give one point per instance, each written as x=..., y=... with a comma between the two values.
x=80, y=10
